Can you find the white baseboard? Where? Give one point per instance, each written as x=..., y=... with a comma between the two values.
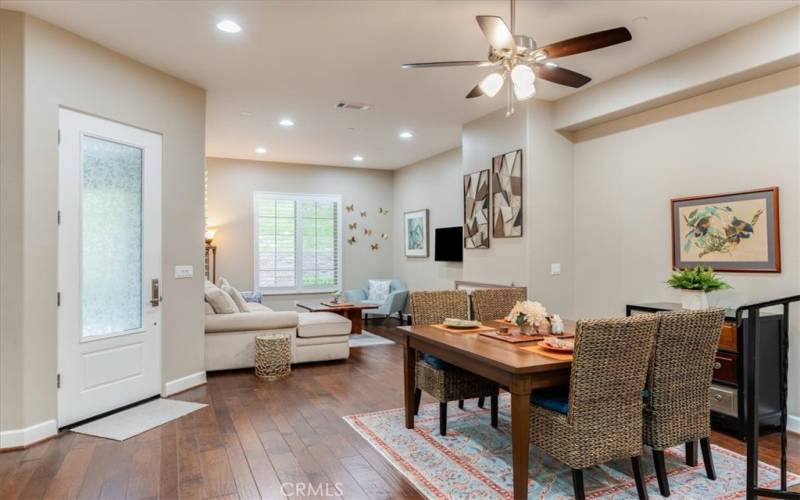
x=16, y=438
x=793, y=423
x=183, y=383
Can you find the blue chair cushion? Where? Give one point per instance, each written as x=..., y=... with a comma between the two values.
x=434, y=361
x=552, y=398
x=557, y=398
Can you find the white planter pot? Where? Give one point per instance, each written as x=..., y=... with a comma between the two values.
x=694, y=299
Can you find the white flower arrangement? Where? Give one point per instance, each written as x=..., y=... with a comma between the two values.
x=532, y=313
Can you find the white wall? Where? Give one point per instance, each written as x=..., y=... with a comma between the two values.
x=62, y=69
x=734, y=139
x=231, y=184
x=433, y=183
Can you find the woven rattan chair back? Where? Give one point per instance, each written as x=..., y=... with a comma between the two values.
x=430, y=308
x=680, y=376
x=609, y=371
x=495, y=303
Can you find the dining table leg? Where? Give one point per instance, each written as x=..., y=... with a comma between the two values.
x=409, y=382
x=520, y=441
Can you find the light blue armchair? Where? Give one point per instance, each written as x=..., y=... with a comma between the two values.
x=394, y=303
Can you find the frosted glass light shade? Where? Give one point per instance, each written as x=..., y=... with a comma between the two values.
x=522, y=76
x=491, y=84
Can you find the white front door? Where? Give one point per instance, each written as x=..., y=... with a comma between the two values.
x=109, y=266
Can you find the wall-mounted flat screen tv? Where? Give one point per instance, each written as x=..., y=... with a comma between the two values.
x=449, y=244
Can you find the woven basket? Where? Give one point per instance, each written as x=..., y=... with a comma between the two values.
x=273, y=356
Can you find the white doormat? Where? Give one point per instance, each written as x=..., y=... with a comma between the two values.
x=136, y=420
x=367, y=339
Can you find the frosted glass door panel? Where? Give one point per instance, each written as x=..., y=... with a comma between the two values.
x=111, y=237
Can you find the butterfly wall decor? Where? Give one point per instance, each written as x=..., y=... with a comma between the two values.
x=384, y=236
x=373, y=246
x=349, y=207
x=353, y=225
x=363, y=214
x=383, y=211
x=351, y=240
x=367, y=232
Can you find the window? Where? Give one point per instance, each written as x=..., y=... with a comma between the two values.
x=297, y=242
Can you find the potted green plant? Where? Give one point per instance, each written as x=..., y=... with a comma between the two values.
x=694, y=284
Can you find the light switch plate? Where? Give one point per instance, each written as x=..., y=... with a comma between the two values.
x=184, y=272
x=555, y=269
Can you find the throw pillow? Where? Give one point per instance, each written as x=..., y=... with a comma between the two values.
x=222, y=282
x=379, y=290
x=221, y=302
x=241, y=304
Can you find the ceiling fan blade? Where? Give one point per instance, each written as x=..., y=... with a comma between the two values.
x=475, y=92
x=561, y=76
x=585, y=43
x=496, y=31
x=443, y=64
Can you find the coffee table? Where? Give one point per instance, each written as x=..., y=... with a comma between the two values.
x=349, y=311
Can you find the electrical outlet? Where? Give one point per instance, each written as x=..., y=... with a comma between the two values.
x=555, y=269
x=182, y=272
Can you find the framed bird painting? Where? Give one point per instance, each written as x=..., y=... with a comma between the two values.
x=732, y=232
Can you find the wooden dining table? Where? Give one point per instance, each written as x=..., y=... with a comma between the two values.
x=517, y=370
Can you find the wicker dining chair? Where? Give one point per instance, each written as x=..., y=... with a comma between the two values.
x=677, y=409
x=439, y=379
x=598, y=417
x=495, y=303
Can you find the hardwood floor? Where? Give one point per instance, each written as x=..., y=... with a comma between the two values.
x=253, y=437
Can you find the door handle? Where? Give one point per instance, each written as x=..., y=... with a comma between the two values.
x=155, y=293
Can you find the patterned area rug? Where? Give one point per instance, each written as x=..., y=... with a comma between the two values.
x=474, y=460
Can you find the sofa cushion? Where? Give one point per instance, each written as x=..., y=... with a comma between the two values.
x=241, y=305
x=253, y=307
x=250, y=321
x=221, y=302
x=322, y=324
x=379, y=290
x=209, y=309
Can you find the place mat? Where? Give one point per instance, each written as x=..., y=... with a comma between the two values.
x=494, y=334
x=478, y=329
x=515, y=339
x=537, y=349
x=338, y=304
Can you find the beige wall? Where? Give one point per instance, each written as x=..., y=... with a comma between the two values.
x=505, y=261
x=62, y=69
x=740, y=138
x=549, y=212
x=11, y=222
x=231, y=184
x=435, y=184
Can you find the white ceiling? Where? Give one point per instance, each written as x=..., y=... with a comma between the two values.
x=298, y=58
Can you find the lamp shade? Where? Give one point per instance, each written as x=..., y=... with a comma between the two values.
x=491, y=84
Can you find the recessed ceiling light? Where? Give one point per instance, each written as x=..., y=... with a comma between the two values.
x=406, y=134
x=551, y=64
x=358, y=158
x=245, y=113
x=261, y=150
x=286, y=122
x=228, y=26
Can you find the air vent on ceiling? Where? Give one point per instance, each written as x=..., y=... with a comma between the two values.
x=358, y=106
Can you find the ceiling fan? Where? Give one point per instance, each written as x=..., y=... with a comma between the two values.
x=519, y=58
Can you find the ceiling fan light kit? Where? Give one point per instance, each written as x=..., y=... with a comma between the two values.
x=521, y=61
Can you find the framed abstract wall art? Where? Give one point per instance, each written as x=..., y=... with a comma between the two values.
x=732, y=232
x=507, y=195
x=476, y=210
x=416, y=233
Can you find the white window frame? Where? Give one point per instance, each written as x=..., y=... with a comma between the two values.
x=298, y=289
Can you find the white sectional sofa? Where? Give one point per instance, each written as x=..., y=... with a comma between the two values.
x=230, y=338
